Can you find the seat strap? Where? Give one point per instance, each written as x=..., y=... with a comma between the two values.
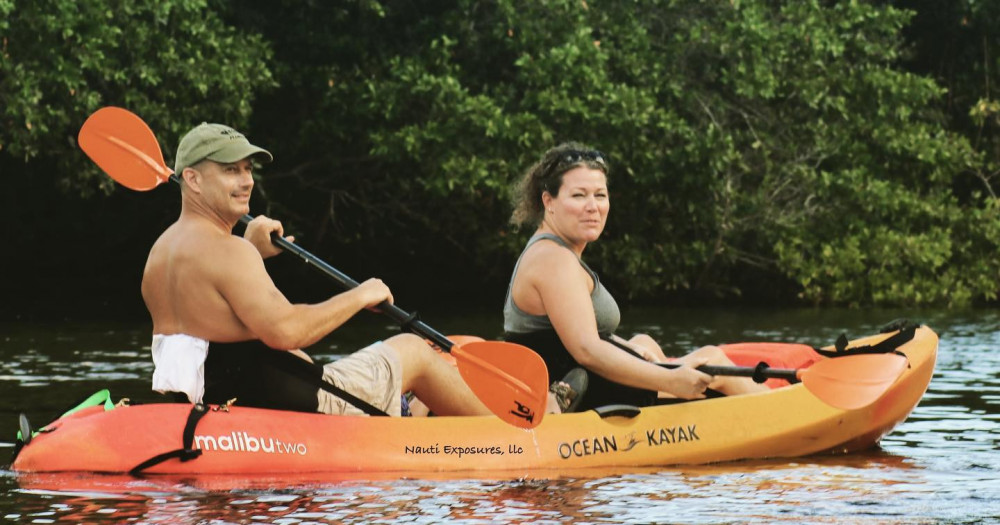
x=187, y=452
x=905, y=333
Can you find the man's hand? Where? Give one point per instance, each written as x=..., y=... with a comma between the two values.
x=373, y=292
x=259, y=231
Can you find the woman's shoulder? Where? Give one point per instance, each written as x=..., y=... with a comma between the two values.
x=546, y=258
x=548, y=250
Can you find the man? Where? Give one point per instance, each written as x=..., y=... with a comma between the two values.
x=222, y=329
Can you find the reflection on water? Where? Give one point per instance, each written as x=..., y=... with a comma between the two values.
x=870, y=488
x=940, y=466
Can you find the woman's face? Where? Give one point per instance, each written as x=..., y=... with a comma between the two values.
x=580, y=209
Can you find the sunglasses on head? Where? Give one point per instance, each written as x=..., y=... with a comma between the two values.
x=571, y=157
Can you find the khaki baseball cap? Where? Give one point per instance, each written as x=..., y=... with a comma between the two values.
x=215, y=142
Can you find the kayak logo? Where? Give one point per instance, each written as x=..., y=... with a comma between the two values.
x=590, y=446
x=671, y=435
x=606, y=444
x=523, y=411
x=244, y=442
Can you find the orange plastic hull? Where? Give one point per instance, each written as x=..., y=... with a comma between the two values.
x=787, y=421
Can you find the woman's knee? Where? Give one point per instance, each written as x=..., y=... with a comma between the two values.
x=714, y=354
x=651, y=350
x=644, y=340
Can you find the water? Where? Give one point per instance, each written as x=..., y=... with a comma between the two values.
x=939, y=466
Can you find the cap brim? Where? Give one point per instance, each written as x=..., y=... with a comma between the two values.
x=235, y=152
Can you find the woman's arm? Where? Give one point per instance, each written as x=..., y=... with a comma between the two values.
x=554, y=282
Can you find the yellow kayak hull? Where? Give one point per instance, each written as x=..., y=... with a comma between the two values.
x=785, y=422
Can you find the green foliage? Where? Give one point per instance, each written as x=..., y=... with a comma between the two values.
x=956, y=43
x=782, y=139
x=778, y=150
x=174, y=62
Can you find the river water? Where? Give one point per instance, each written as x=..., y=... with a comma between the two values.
x=941, y=465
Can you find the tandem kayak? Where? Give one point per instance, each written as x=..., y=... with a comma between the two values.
x=789, y=420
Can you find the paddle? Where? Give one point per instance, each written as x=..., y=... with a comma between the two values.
x=510, y=379
x=848, y=382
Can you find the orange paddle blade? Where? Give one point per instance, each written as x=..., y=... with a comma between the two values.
x=510, y=379
x=855, y=381
x=124, y=147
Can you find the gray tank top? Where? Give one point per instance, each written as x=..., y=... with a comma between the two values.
x=516, y=320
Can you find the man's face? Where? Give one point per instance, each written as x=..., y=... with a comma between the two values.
x=226, y=187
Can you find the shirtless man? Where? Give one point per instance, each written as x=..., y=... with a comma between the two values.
x=223, y=330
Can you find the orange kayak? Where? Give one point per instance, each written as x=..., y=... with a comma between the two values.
x=789, y=420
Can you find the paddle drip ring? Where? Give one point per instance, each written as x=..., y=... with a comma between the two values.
x=759, y=372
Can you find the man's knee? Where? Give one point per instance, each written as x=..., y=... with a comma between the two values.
x=412, y=350
x=407, y=343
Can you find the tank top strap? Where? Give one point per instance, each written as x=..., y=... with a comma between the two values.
x=605, y=308
x=559, y=240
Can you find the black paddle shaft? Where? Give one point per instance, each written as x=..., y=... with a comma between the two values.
x=406, y=320
x=758, y=372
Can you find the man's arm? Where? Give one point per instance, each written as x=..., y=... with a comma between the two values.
x=248, y=289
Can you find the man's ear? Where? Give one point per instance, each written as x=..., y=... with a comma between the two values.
x=192, y=179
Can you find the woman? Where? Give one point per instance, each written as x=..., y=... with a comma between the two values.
x=557, y=306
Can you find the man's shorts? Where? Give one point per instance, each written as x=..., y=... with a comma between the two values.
x=373, y=374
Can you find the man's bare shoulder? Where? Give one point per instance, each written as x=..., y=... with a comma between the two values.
x=194, y=245
x=226, y=254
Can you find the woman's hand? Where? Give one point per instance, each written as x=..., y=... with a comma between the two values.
x=687, y=382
